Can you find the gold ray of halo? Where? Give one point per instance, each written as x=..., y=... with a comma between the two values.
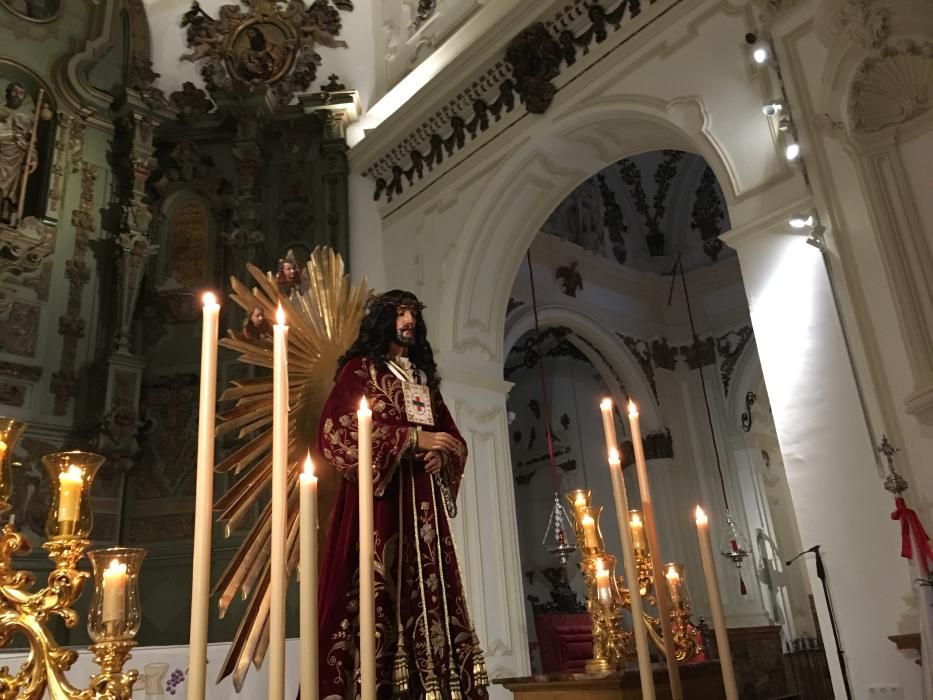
x=323, y=322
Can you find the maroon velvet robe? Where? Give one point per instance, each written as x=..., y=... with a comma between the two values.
x=422, y=620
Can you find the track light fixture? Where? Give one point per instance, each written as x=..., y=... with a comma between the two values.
x=792, y=152
x=772, y=109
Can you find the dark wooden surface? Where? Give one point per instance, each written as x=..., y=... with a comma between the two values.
x=700, y=681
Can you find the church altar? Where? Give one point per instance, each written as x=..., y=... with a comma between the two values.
x=162, y=672
x=700, y=680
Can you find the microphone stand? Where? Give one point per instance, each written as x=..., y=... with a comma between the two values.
x=821, y=574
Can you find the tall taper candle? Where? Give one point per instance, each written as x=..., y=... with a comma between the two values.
x=279, y=507
x=715, y=604
x=204, y=503
x=308, y=591
x=631, y=576
x=367, y=585
x=609, y=425
x=651, y=533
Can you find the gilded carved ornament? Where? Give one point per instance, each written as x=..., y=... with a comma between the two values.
x=263, y=44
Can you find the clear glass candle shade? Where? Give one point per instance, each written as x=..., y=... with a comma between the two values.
x=579, y=500
x=71, y=475
x=115, y=613
x=677, y=584
x=11, y=430
x=636, y=523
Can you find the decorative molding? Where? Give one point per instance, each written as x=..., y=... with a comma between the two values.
x=706, y=355
x=64, y=381
x=572, y=31
x=708, y=213
x=663, y=355
x=642, y=351
x=569, y=279
x=15, y=370
x=613, y=220
x=21, y=330
x=12, y=394
x=862, y=22
x=892, y=86
x=23, y=250
x=730, y=348
x=192, y=103
x=653, y=213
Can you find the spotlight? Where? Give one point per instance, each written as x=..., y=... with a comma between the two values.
x=760, y=55
x=816, y=238
x=792, y=152
x=802, y=221
x=771, y=109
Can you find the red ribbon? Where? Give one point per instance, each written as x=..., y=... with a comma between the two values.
x=912, y=531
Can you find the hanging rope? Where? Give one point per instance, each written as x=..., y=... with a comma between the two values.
x=546, y=406
x=679, y=269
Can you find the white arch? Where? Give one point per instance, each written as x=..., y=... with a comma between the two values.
x=610, y=354
x=556, y=157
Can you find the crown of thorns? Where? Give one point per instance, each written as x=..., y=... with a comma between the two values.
x=396, y=298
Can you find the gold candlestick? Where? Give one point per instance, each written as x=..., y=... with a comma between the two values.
x=27, y=613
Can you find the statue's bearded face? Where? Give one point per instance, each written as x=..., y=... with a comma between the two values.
x=15, y=94
x=405, y=319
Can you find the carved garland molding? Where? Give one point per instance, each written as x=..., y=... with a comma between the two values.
x=532, y=61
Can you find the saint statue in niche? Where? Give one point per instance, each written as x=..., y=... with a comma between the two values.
x=259, y=53
x=36, y=10
x=25, y=145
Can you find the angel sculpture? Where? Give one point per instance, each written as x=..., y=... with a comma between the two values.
x=376, y=347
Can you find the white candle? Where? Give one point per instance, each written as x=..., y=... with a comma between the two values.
x=114, y=593
x=589, y=531
x=673, y=583
x=70, y=486
x=603, y=594
x=367, y=585
x=307, y=486
x=279, y=507
x=715, y=604
x=609, y=426
x=203, y=503
x=631, y=574
x=673, y=672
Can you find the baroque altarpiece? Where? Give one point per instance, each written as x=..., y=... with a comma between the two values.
x=119, y=205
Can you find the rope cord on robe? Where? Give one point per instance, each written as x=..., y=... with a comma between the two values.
x=432, y=690
x=453, y=683
x=480, y=678
x=400, y=680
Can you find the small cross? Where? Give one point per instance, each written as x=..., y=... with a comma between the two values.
x=894, y=483
x=888, y=450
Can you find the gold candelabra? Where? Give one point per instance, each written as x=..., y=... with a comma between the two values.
x=607, y=596
x=114, y=615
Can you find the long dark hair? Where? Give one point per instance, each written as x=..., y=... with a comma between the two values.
x=378, y=330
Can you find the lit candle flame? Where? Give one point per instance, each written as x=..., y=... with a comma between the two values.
x=2, y=448
x=632, y=409
x=116, y=567
x=580, y=500
x=636, y=520
x=701, y=516
x=309, y=466
x=73, y=473
x=364, y=405
x=606, y=404
x=280, y=316
x=587, y=520
x=600, y=567
x=614, y=455
x=209, y=299
x=672, y=574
